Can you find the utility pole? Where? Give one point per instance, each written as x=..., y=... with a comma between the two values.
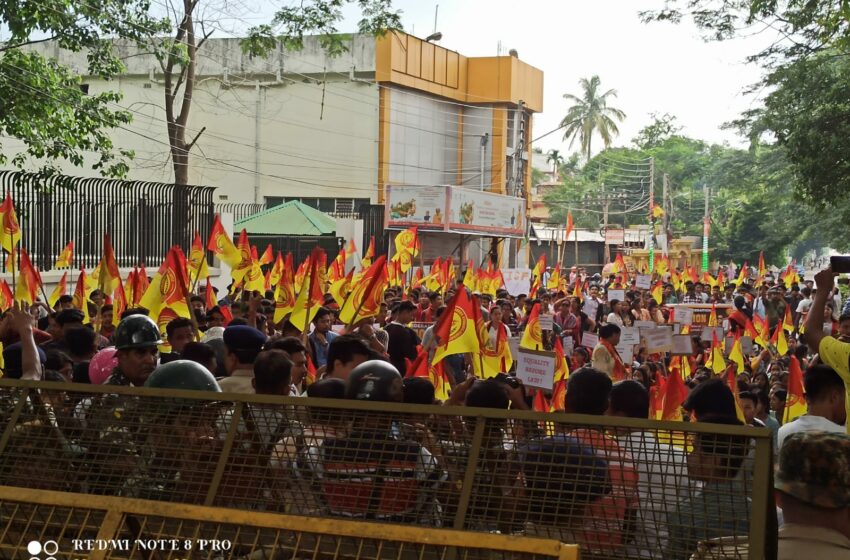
x=605, y=199
x=665, y=220
x=706, y=228
x=651, y=214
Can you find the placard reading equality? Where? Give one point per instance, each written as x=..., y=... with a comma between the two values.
x=536, y=369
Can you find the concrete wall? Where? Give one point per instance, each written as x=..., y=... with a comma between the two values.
x=315, y=139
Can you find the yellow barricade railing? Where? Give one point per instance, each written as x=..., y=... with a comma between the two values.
x=617, y=487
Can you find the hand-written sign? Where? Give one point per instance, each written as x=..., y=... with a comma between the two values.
x=546, y=322
x=682, y=345
x=658, y=340
x=536, y=369
x=589, y=340
x=643, y=281
x=619, y=295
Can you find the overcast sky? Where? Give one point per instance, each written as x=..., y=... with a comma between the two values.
x=657, y=67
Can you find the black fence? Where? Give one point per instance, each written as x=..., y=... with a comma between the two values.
x=143, y=219
x=300, y=247
x=239, y=210
x=373, y=224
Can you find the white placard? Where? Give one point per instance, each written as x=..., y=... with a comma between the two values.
x=589, y=340
x=746, y=345
x=546, y=322
x=682, y=345
x=629, y=335
x=338, y=329
x=683, y=315
x=517, y=280
x=645, y=324
x=707, y=336
x=536, y=369
x=643, y=281
x=626, y=352
x=619, y=295
x=568, y=343
x=659, y=340
x=677, y=328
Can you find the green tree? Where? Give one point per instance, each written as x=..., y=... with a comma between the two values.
x=590, y=114
x=661, y=128
x=41, y=101
x=556, y=159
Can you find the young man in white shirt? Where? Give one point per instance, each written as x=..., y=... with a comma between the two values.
x=825, y=398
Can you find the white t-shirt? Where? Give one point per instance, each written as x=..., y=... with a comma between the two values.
x=615, y=319
x=804, y=305
x=807, y=423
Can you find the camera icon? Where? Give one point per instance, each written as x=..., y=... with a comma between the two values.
x=49, y=548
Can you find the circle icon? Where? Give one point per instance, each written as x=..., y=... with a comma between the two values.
x=51, y=547
x=34, y=547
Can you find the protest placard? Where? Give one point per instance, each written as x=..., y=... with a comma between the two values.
x=589, y=340
x=626, y=352
x=683, y=315
x=643, y=281
x=546, y=322
x=629, y=335
x=536, y=369
x=682, y=345
x=659, y=339
x=706, y=335
x=619, y=295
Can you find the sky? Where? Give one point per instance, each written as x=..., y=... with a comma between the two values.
x=658, y=67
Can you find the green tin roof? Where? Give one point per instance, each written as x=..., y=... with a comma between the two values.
x=289, y=218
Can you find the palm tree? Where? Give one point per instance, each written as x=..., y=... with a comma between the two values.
x=557, y=160
x=591, y=113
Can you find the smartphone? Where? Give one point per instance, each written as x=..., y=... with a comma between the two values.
x=840, y=264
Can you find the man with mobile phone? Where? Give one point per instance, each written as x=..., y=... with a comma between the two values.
x=833, y=352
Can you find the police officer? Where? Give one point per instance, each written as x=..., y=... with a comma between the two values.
x=137, y=339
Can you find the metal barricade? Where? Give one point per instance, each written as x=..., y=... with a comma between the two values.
x=39, y=523
x=619, y=488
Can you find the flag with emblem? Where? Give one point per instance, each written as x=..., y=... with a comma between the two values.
x=310, y=297
x=532, y=336
x=10, y=233
x=60, y=290
x=169, y=288
x=66, y=257
x=29, y=280
x=198, y=268
x=795, y=398
x=456, y=330
x=658, y=292
x=366, y=295
x=221, y=244
x=674, y=391
x=81, y=296
x=119, y=303
x=716, y=361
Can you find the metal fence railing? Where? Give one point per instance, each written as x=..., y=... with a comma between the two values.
x=65, y=525
x=619, y=488
x=143, y=219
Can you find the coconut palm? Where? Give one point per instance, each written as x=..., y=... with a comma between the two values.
x=590, y=114
x=557, y=160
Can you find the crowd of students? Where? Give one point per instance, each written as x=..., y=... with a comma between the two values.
x=651, y=500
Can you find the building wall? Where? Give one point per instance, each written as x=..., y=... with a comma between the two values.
x=317, y=136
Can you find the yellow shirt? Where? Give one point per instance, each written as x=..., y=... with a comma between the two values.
x=836, y=354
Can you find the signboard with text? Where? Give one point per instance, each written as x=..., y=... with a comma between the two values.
x=536, y=369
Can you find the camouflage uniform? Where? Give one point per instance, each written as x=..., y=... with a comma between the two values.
x=814, y=468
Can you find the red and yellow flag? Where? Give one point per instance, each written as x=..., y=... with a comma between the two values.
x=366, y=296
x=570, y=225
x=81, y=296
x=209, y=296
x=742, y=276
x=10, y=231
x=716, y=361
x=712, y=317
x=674, y=391
x=554, y=278
x=787, y=323
x=532, y=336
x=169, y=288
x=737, y=354
x=268, y=255
x=109, y=275
x=66, y=258
x=60, y=290
x=456, y=330
x=311, y=296
x=29, y=280
x=221, y=244
x=119, y=304
x=198, y=269
x=780, y=341
x=795, y=399
x=6, y=297
x=366, y=261
x=539, y=268
x=658, y=292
